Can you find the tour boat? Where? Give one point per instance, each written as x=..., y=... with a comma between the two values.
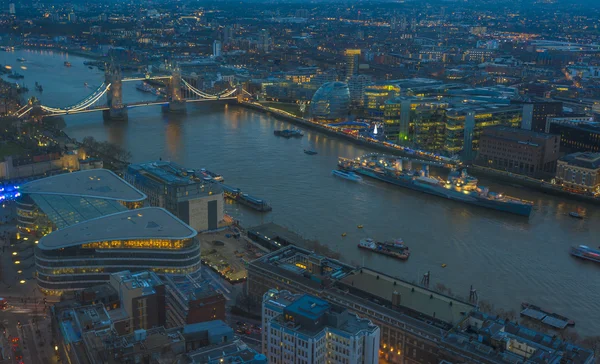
x=347, y=175
x=395, y=249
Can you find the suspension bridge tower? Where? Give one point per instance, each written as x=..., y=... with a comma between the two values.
x=114, y=96
x=176, y=101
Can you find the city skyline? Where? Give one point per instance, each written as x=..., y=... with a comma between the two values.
x=290, y=182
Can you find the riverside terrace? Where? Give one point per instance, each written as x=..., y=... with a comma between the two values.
x=417, y=325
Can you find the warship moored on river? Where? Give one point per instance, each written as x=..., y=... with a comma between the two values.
x=459, y=186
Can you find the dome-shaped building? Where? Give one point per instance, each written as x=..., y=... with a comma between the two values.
x=331, y=101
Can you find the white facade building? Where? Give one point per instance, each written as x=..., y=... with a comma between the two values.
x=217, y=48
x=303, y=329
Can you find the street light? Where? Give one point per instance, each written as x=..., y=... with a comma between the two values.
x=22, y=281
x=19, y=271
x=15, y=253
x=17, y=262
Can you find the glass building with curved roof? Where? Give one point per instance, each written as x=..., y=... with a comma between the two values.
x=85, y=254
x=93, y=224
x=331, y=101
x=53, y=203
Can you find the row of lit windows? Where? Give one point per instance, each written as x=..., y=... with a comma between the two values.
x=140, y=244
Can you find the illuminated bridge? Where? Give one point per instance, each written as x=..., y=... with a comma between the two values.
x=179, y=93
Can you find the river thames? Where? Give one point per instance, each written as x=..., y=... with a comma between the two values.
x=508, y=259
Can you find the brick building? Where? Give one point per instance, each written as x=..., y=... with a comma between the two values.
x=519, y=151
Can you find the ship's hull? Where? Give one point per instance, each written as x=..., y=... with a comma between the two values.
x=409, y=182
x=385, y=252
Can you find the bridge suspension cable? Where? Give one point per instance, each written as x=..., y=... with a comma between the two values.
x=87, y=102
x=225, y=93
x=24, y=112
x=198, y=92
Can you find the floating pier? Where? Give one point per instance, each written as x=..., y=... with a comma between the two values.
x=237, y=195
x=551, y=319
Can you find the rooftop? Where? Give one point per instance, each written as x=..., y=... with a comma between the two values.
x=168, y=172
x=146, y=281
x=517, y=132
x=308, y=306
x=67, y=210
x=312, y=315
x=215, y=327
x=585, y=160
x=94, y=183
x=279, y=298
x=235, y=352
x=302, y=265
x=413, y=297
x=145, y=223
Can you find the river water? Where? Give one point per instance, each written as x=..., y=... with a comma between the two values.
x=508, y=259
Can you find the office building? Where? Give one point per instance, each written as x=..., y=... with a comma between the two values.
x=519, y=151
x=191, y=299
x=352, y=60
x=183, y=192
x=536, y=113
x=375, y=97
x=478, y=55
x=273, y=303
x=415, y=121
x=417, y=325
x=88, y=334
x=465, y=124
x=85, y=254
x=577, y=134
x=72, y=17
x=142, y=297
x=311, y=330
x=264, y=41
x=11, y=9
x=213, y=342
x=228, y=34
x=331, y=102
x=357, y=85
x=216, y=48
x=580, y=171
x=63, y=200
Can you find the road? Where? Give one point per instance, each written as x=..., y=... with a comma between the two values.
x=33, y=331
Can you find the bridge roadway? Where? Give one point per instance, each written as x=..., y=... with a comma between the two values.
x=139, y=104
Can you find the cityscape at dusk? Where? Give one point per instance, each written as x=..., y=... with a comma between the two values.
x=299, y=182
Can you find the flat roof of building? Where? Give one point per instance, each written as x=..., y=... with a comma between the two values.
x=145, y=223
x=413, y=297
x=308, y=306
x=583, y=159
x=94, y=183
x=236, y=351
x=516, y=131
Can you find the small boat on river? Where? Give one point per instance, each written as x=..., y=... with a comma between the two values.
x=349, y=175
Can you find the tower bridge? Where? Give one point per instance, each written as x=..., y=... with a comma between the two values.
x=179, y=93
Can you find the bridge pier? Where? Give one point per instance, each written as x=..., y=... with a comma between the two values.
x=176, y=107
x=115, y=114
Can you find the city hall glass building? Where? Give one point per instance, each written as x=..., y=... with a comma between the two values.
x=331, y=101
